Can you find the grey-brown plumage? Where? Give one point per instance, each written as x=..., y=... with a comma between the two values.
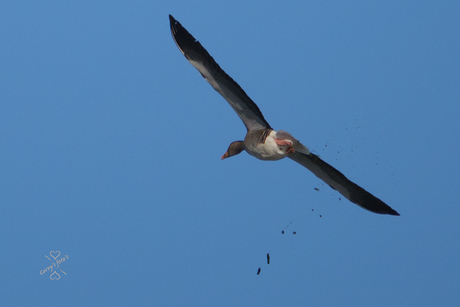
x=261, y=140
x=246, y=109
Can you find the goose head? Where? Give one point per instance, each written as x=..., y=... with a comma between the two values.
x=234, y=149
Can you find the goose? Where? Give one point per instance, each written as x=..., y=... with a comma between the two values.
x=261, y=141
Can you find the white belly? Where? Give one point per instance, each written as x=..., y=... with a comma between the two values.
x=268, y=150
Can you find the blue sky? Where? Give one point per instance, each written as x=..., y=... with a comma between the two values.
x=111, y=143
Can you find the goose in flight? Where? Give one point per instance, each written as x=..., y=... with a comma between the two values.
x=261, y=140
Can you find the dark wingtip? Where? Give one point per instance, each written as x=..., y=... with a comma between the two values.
x=384, y=209
x=172, y=21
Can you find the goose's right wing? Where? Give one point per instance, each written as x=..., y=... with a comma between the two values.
x=342, y=184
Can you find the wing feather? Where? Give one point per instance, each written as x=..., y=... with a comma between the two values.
x=342, y=184
x=194, y=52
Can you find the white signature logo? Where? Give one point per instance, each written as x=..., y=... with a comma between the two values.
x=55, y=265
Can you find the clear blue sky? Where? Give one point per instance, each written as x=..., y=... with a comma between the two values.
x=111, y=142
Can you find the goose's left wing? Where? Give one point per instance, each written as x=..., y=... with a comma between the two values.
x=342, y=184
x=246, y=109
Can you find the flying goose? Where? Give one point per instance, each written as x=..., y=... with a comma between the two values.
x=261, y=140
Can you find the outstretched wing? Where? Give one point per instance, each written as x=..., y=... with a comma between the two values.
x=342, y=184
x=246, y=109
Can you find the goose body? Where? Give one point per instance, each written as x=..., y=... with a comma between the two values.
x=261, y=140
x=266, y=145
